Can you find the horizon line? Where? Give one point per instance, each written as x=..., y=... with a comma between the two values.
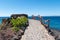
x=28, y=15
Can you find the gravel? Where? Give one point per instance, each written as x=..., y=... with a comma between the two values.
x=36, y=31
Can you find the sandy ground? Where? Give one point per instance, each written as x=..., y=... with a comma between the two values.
x=36, y=31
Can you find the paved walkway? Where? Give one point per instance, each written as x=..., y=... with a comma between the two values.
x=36, y=31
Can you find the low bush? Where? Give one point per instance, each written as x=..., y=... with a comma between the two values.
x=16, y=29
x=19, y=22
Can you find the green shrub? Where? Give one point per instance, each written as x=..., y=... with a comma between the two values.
x=16, y=29
x=14, y=22
x=19, y=22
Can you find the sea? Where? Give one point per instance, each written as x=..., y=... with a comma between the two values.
x=54, y=21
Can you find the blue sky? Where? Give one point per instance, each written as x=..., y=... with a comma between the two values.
x=30, y=7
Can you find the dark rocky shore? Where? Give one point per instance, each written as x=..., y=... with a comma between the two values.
x=56, y=34
x=10, y=32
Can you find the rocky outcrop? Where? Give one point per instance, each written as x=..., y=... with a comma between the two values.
x=7, y=30
x=56, y=34
x=19, y=15
x=8, y=34
x=36, y=31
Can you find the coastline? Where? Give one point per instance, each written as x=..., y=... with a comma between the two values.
x=56, y=33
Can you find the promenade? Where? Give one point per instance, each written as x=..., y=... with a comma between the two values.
x=36, y=31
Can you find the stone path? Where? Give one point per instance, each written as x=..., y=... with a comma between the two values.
x=36, y=31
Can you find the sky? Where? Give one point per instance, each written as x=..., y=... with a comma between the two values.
x=30, y=7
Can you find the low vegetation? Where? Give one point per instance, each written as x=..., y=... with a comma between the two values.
x=18, y=22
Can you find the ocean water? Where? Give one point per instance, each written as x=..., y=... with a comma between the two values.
x=1, y=18
x=54, y=21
